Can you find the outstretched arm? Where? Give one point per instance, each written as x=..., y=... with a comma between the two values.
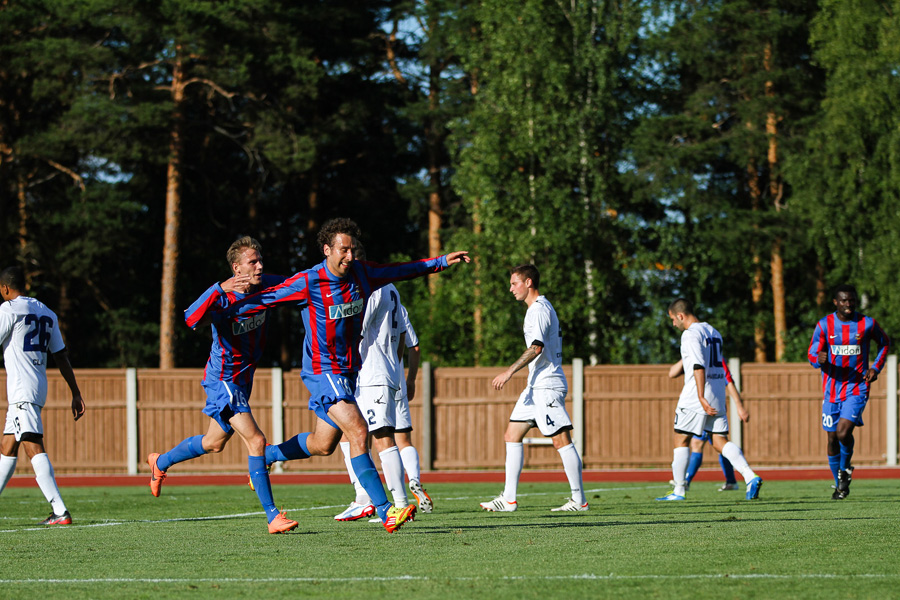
x=65, y=369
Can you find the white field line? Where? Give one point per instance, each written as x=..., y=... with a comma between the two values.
x=443, y=579
x=258, y=513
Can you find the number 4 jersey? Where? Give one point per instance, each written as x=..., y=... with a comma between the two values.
x=701, y=345
x=28, y=330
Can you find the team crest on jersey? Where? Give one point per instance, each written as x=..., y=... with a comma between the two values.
x=248, y=325
x=350, y=309
x=846, y=350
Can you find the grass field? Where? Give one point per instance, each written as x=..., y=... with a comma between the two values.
x=202, y=542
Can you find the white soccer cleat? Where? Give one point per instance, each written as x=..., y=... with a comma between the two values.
x=422, y=498
x=571, y=506
x=356, y=511
x=499, y=504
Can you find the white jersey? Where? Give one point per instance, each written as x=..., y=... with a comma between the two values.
x=701, y=345
x=28, y=330
x=411, y=342
x=542, y=325
x=380, y=337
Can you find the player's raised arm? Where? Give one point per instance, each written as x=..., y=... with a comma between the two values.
x=458, y=256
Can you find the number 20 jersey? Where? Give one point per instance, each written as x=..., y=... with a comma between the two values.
x=28, y=330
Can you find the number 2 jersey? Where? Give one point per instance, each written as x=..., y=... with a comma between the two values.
x=28, y=330
x=701, y=345
x=847, y=343
x=236, y=345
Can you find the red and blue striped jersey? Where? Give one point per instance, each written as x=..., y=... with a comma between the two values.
x=236, y=345
x=333, y=308
x=847, y=343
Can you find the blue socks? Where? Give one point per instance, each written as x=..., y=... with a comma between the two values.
x=846, y=455
x=694, y=465
x=368, y=477
x=187, y=449
x=727, y=469
x=293, y=449
x=260, y=478
x=834, y=462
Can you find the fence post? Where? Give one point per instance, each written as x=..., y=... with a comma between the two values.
x=426, y=457
x=131, y=424
x=578, y=405
x=891, y=369
x=735, y=425
x=277, y=411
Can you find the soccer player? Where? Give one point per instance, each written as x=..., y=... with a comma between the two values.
x=697, y=442
x=840, y=348
x=28, y=331
x=334, y=295
x=385, y=328
x=228, y=378
x=542, y=403
x=701, y=406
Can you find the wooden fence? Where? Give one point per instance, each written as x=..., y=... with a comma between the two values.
x=623, y=418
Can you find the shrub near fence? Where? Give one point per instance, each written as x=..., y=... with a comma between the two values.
x=623, y=418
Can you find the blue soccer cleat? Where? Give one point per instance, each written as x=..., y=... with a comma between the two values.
x=671, y=497
x=753, y=487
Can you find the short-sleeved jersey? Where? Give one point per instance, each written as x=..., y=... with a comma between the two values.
x=378, y=349
x=701, y=345
x=28, y=331
x=236, y=345
x=542, y=326
x=847, y=343
x=333, y=308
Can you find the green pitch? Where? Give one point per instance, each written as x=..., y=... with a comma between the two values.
x=203, y=542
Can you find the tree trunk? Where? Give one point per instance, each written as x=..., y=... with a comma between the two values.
x=478, y=312
x=775, y=191
x=434, y=141
x=759, y=326
x=167, y=317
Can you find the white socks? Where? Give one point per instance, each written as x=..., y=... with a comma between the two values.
x=7, y=468
x=680, y=460
x=733, y=453
x=392, y=467
x=572, y=464
x=43, y=472
x=515, y=460
x=410, y=457
x=362, y=497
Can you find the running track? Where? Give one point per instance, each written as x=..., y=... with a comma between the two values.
x=624, y=475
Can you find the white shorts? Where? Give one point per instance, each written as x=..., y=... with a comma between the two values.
x=688, y=421
x=23, y=417
x=544, y=408
x=377, y=405
x=402, y=421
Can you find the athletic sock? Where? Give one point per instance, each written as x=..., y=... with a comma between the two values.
x=515, y=460
x=846, y=454
x=293, y=449
x=733, y=453
x=361, y=496
x=368, y=477
x=834, y=463
x=43, y=472
x=410, y=457
x=572, y=465
x=693, y=466
x=259, y=475
x=392, y=467
x=7, y=468
x=187, y=449
x=727, y=469
x=680, y=457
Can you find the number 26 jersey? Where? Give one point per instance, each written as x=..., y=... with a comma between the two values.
x=28, y=331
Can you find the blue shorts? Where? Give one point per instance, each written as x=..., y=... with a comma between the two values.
x=328, y=389
x=224, y=400
x=850, y=409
